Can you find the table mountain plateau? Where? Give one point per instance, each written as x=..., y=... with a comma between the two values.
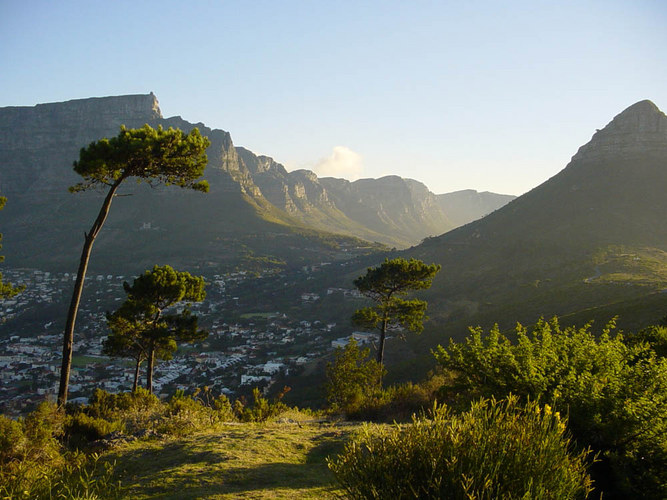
x=255, y=207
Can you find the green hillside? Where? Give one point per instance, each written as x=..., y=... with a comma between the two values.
x=589, y=243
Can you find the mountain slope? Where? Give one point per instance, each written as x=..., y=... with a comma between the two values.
x=587, y=242
x=468, y=205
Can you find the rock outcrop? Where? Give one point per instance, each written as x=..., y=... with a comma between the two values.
x=640, y=129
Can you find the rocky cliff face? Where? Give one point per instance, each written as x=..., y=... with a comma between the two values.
x=43, y=222
x=640, y=129
x=390, y=205
x=50, y=135
x=392, y=210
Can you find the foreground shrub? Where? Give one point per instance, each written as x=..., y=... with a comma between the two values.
x=185, y=414
x=137, y=410
x=494, y=450
x=354, y=381
x=77, y=477
x=398, y=403
x=81, y=429
x=613, y=391
x=34, y=464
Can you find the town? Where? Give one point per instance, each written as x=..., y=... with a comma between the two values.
x=245, y=348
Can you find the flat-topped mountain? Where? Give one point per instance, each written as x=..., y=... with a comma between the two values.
x=43, y=223
x=254, y=207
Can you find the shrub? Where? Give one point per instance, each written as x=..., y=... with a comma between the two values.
x=33, y=464
x=138, y=410
x=353, y=380
x=13, y=443
x=185, y=414
x=261, y=408
x=81, y=429
x=615, y=394
x=654, y=336
x=494, y=450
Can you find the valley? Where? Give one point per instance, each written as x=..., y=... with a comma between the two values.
x=281, y=249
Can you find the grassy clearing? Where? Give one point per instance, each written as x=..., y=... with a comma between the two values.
x=258, y=315
x=83, y=361
x=234, y=461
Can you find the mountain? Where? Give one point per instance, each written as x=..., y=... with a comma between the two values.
x=255, y=209
x=589, y=243
x=391, y=210
x=43, y=223
x=468, y=205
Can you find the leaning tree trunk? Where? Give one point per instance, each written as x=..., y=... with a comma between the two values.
x=68, y=337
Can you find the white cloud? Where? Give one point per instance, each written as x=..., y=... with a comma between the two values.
x=343, y=162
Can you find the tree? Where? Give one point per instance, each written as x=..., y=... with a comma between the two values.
x=386, y=285
x=154, y=156
x=352, y=378
x=143, y=330
x=7, y=290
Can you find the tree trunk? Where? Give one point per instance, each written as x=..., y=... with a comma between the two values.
x=68, y=337
x=383, y=335
x=136, y=375
x=149, y=370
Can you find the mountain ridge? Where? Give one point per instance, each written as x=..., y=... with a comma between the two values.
x=250, y=196
x=592, y=236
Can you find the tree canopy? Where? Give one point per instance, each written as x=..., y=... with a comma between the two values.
x=386, y=285
x=154, y=156
x=141, y=327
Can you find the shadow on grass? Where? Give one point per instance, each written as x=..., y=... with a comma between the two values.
x=178, y=471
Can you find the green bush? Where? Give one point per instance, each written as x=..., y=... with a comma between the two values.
x=398, y=403
x=654, y=336
x=494, y=450
x=137, y=410
x=13, y=443
x=261, y=408
x=614, y=394
x=354, y=382
x=78, y=477
x=81, y=429
x=33, y=463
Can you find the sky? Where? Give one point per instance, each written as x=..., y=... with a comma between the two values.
x=487, y=95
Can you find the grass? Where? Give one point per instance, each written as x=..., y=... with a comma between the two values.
x=270, y=460
x=82, y=361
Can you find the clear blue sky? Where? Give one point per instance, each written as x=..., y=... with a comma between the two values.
x=485, y=95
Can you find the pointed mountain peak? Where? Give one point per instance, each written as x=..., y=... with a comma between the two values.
x=643, y=115
x=641, y=128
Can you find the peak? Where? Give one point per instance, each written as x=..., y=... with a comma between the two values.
x=645, y=106
x=642, y=114
x=641, y=128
